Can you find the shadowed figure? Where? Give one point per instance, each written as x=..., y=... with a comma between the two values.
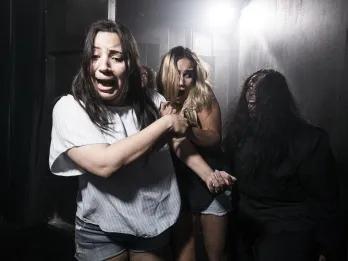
x=288, y=192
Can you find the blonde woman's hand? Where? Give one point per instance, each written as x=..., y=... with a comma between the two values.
x=179, y=125
x=166, y=108
x=219, y=181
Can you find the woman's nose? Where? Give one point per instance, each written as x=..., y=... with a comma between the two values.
x=181, y=80
x=104, y=64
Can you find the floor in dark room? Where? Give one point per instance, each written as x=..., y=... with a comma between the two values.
x=42, y=242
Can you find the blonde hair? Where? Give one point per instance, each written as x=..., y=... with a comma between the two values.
x=200, y=95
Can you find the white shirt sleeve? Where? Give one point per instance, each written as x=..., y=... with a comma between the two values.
x=71, y=127
x=157, y=98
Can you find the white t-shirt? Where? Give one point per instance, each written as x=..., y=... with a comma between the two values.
x=140, y=199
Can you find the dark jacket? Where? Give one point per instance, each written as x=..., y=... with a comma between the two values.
x=298, y=193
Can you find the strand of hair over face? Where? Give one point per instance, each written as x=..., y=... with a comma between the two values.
x=200, y=96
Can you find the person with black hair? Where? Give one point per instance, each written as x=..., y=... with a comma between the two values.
x=109, y=132
x=288, y=192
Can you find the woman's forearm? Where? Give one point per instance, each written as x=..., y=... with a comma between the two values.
x=186, y=152
x=104, y=159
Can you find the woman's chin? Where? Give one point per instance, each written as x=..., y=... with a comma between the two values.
x=109, y=97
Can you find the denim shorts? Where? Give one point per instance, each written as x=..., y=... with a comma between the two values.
x=94, y=244
x=220, y=205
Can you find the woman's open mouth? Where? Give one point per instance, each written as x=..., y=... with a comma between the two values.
x=106, y=82
x=181, y=93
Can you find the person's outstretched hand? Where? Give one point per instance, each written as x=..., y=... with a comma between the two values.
x=219, y=181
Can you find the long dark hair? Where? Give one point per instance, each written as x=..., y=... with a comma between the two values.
x=135, y=96
x=273, y=124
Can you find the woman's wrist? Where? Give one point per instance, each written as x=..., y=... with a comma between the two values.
x=207, y=175
x=168, y=121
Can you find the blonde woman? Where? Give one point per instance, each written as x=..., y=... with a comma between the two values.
x=183, y=80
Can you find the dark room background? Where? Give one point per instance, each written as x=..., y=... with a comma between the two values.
x=41, y=42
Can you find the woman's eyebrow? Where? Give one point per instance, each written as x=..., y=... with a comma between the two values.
x=114, y=51
x=111, y=50
x=187, y=70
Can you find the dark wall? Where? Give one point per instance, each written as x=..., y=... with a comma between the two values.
x=42, y=41
x=23, y=82
x=5, y=67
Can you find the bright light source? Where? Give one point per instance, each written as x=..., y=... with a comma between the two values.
x=256, y=17
x=258, y=27
x=220, y=14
